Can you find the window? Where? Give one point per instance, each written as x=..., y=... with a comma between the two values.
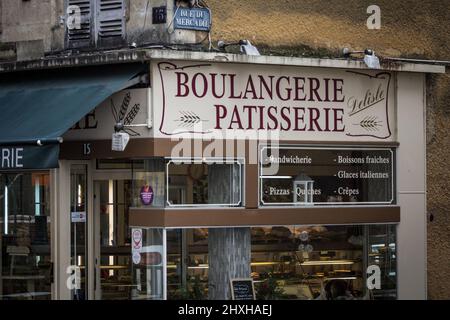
x=25, y=258
x=187, y=264
x=302, y=176
x=180, y=182
x=301, y=262
x=148, y=256
x=102, y=23
x=149, y=183
x=210, y=182
x=295, y=262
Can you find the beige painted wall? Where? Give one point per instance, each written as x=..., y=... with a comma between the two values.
x=408, y=27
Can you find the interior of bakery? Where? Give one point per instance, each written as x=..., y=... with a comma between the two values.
x=291, y=262
x=287, y=262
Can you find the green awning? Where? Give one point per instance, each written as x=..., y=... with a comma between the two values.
x=42, y=106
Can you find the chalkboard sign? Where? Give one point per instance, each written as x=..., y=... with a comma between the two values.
x=242, y=289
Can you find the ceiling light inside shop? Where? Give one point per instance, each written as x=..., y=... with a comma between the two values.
x=326, y=263
x=342, y=278
x=276, y=177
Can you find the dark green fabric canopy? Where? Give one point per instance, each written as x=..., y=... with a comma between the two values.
x=42, y=105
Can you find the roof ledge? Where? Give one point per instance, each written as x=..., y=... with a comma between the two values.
x=143, y=55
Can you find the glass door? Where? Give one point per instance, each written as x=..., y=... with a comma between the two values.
x=79, y=230
x=113, y=239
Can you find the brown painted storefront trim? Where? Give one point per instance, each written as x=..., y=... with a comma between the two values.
x=162, y=147
x=231, y=217
x=251, y=186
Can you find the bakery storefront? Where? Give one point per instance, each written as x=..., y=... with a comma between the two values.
x=305, y=177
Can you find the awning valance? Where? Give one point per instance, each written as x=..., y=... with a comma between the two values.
x=41, y=106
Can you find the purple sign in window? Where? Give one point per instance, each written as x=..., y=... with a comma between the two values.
x=146, y=195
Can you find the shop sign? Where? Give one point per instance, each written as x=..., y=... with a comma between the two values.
x=136, y=257
x=146, y=195
x=153, y=191
x=78, y=217
x=192, y=19
x=128, y=107
x=242, y=289
x=326, y=176
x=314, y=104
x=137, y=240
x=136, y=246
x=28, y=157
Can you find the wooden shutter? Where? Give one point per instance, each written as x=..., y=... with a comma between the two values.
x=110, y=23
x=83, y=37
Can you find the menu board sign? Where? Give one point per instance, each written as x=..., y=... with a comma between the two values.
x=242, y=289
x=326, y=176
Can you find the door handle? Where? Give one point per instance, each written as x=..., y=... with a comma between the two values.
x=95, y=274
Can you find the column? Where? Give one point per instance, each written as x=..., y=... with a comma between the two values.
x=229, y=248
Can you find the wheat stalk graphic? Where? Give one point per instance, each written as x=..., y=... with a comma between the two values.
x=123, y=115
x=188, y=119
x=369, y=123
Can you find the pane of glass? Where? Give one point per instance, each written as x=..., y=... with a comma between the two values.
x=293, y=262
x=113, y=164
x=187, y=264
x=115, y=240
x=208, y=183
x=148, y=260
x=176, y=265
x=331, y=176
x=149, y=183
x=78, y=230
x=322, y=262
x=25, y=259
x=382, y=253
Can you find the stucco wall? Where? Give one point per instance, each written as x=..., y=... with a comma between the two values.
x=438, y=177
x=408, y=27
x=27, y=20
x=41, y=20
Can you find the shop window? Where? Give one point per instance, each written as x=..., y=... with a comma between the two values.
x=293, y=262
x=162, y=182
x=204, y=183
x=25, y=259
x=302, y=176
x=148, y=256
x=149, y=181
x=187, y=264
x=304, y=262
